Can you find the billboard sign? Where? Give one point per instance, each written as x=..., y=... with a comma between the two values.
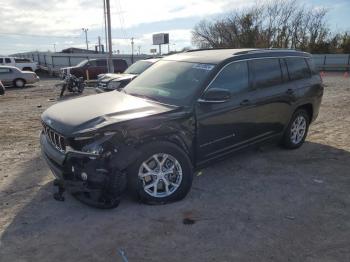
x=160, y=39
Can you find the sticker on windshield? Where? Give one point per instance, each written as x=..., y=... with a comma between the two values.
x=207, y=67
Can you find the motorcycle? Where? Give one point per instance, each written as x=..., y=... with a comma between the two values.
x=73, y=84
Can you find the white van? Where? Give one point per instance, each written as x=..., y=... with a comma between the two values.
x=23, y=64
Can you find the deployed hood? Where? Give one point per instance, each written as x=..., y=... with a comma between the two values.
x=88, y=113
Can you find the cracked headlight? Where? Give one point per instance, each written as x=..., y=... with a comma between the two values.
x=94, y=144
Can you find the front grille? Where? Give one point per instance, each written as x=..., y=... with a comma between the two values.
x=56, y=139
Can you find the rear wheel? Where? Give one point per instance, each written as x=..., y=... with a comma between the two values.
x=19, y=82
x=161, y=174
x=297, y=129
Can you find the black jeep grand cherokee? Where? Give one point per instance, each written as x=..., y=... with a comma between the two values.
x=185, y=111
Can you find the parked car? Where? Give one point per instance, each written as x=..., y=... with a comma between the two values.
x=184, y=112
x=94, y=67
x=23, y=64
x=110, y=82
x=11, y=75
x=2, y=89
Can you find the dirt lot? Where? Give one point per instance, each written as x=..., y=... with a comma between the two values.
x=265, y=204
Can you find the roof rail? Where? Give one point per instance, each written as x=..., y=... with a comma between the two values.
x=205, y=49
x=282, y=49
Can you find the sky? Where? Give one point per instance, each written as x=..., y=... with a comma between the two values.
x=28, y=25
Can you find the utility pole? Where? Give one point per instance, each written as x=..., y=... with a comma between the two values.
x=132, y=50
x=104, y=16
x=54, y=47
x=86, y=40
x=110, y=64
x=99, y=45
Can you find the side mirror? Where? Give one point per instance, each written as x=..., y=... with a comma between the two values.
x=215, y=95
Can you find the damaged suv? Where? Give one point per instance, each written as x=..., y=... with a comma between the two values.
x=184, y=112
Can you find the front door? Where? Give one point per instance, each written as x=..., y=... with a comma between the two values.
x=221, y=127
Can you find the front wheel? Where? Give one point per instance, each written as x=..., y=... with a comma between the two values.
x=161, y=174
x=297, y=129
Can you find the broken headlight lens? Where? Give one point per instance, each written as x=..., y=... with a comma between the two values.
x=93, y=144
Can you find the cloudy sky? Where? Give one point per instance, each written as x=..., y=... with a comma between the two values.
x=28, y=25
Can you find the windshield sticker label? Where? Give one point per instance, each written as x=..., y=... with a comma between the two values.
x=207, y=67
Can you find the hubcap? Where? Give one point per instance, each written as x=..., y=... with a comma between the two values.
x=298, y=130
x=19, y=83
x=161, y=175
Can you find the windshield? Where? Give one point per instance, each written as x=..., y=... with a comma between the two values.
x=82, y=63
x=170, y=82
x=138, y=67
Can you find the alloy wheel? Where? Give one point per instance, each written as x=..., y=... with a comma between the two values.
x=161, y=175
x=298, y=129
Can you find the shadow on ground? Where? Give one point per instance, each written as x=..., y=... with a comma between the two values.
x=265, y=205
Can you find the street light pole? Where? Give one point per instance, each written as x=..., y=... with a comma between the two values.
x=110, y=64
x=85, y=31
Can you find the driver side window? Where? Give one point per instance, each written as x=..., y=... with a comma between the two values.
x=234, y=78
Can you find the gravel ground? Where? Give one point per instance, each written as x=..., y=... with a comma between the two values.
x=265, y=204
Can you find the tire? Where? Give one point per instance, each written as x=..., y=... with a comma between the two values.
x=178, y=183
x=19, y=83
x=110, y=195
x=297, y=129
x=63, y=88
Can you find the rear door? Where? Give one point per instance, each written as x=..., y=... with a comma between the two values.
x=271, y=96
x=300, y=75
x=223, y=127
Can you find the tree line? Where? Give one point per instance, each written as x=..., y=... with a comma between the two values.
x=273, y=24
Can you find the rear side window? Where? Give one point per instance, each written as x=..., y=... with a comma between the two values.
x=22, y=60
x=7, y=60
x=1, y=60
x=120, y=64
x=234, y=77
x=297, y=68
x=92, y=62
x=5, y=70
x=266, y=72
x=101, y=63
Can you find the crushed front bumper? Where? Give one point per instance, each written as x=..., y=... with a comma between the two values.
x=86, y=176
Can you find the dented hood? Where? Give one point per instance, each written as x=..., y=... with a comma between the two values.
x=119, y=77
x=89, y=113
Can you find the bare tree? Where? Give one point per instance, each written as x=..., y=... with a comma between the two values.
x=273, y=24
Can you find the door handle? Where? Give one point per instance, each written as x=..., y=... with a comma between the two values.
x=245, y=102
x=290, y=91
